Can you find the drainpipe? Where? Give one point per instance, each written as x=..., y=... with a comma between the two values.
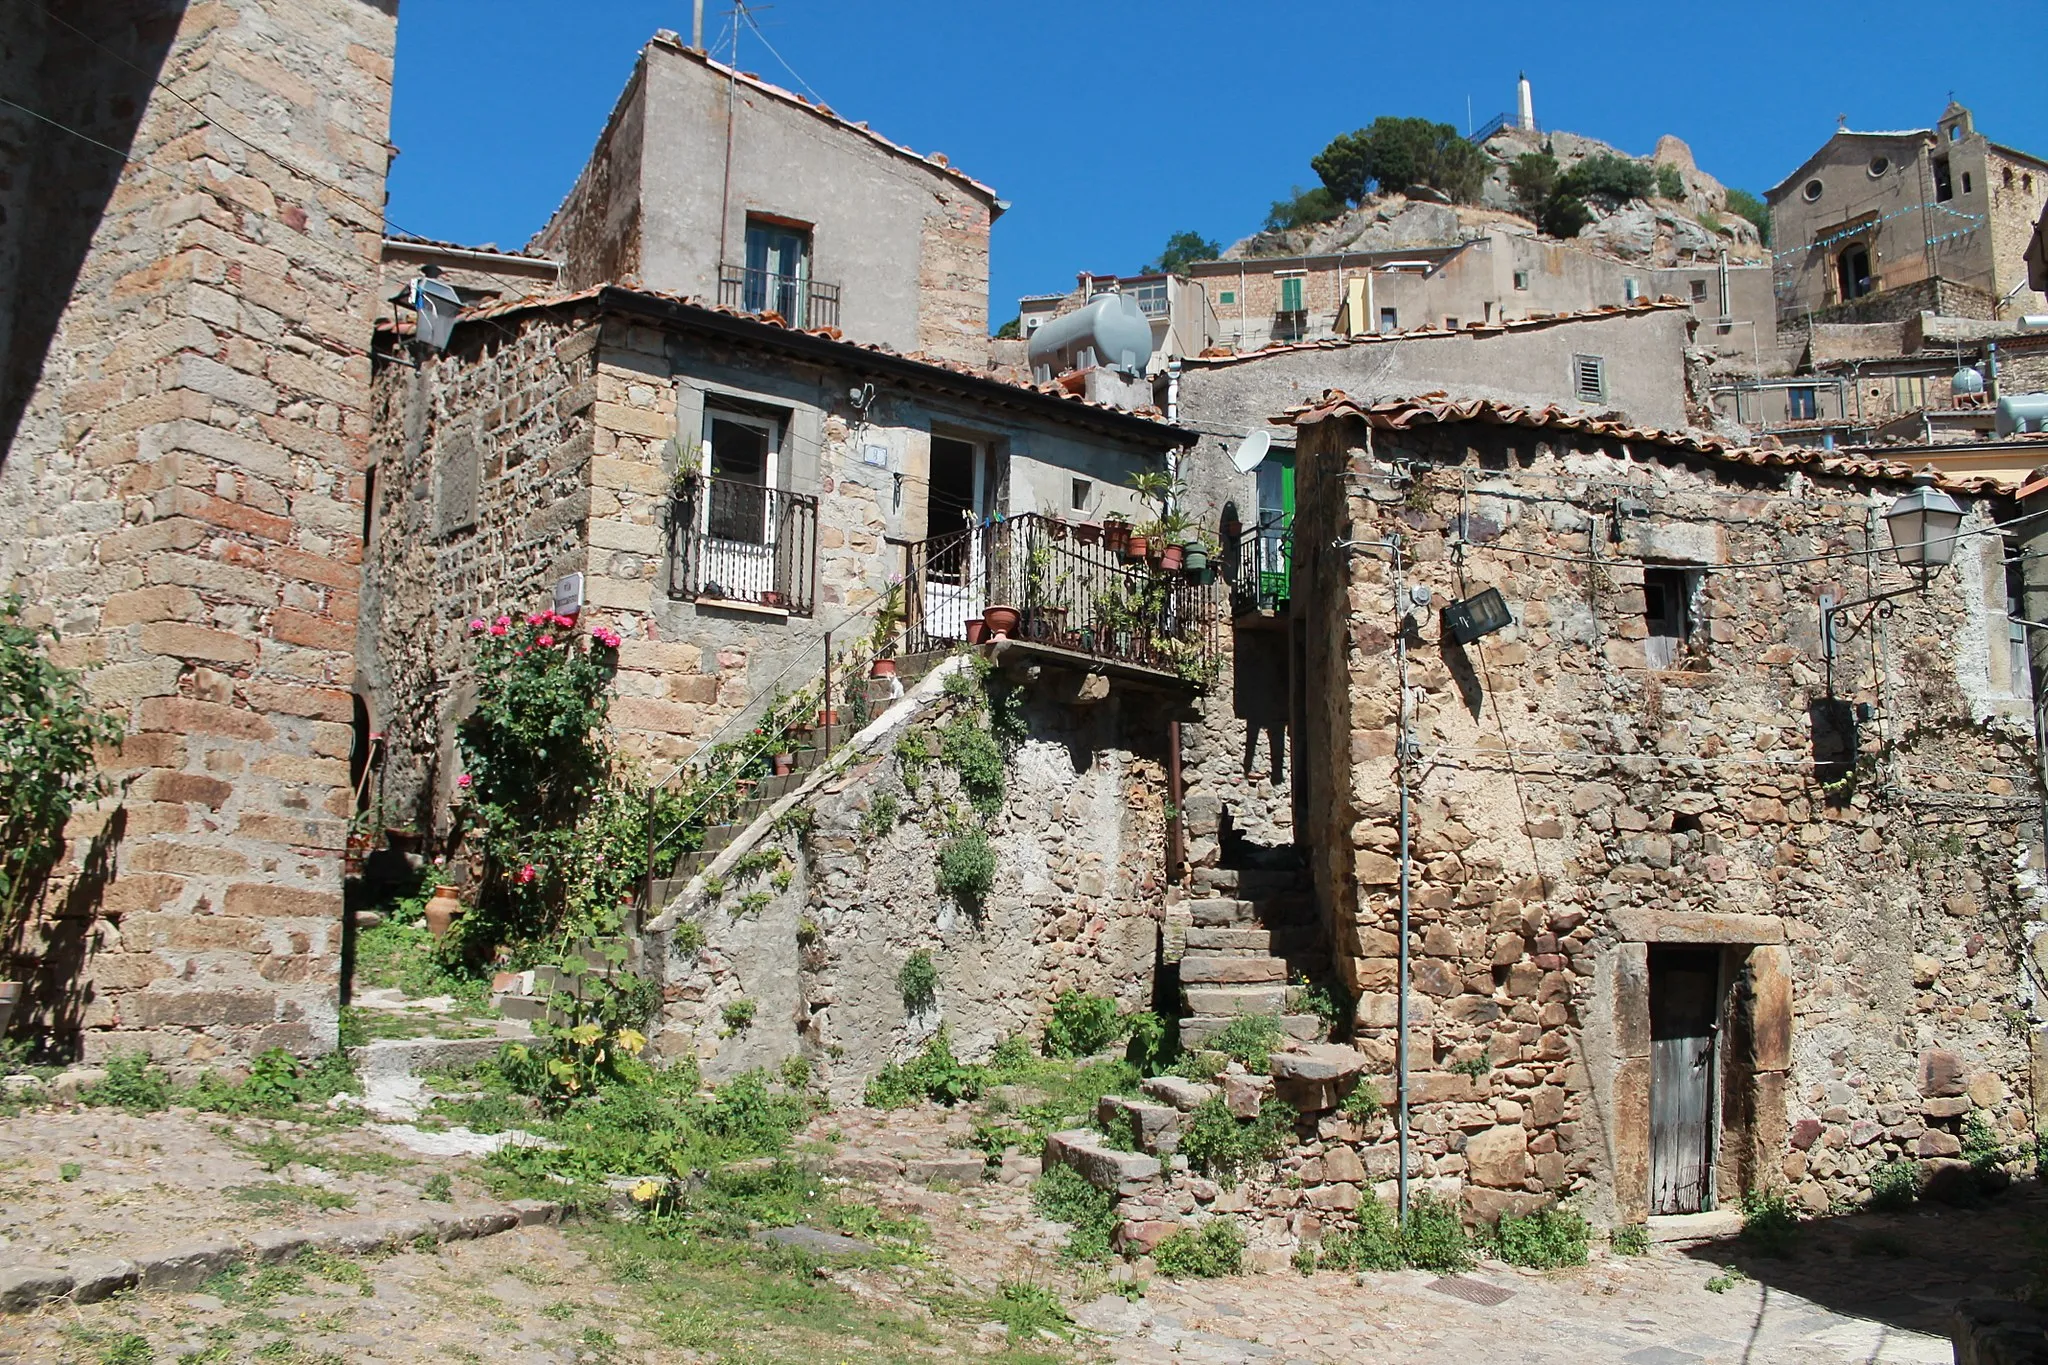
x=1401, y=928
x=1173, y=389
x=1176, y=853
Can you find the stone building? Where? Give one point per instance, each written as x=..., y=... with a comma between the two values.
x=186, y=412
x=729, y=488
x=1495, y=274
x=1694, y=906
x=712, y=183
x=1878, y=226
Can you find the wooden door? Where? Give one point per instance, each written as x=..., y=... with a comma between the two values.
x=1685, y=1007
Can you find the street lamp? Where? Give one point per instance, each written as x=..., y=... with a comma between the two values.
x=1924, y=524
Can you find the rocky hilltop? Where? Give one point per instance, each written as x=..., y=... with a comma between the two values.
x=1656, y=232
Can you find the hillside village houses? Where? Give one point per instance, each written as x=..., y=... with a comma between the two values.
x=1442, y=648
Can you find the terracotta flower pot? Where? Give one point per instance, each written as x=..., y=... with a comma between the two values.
x=1057, y=527
x=783, y=763
x=442, y=908
x=1116, y=535
x=882, y=668
x=1134, y=548
x=977, y=630
x=1170, y=558
x=1088, y=532
x=1001, y=622
x=828, y=718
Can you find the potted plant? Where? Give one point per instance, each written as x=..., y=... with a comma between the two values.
x=1116, y=532
x=1171, y=557
x=1001, y=621
x=977, y=630
x=1135, y=547
x=784, y=762
x=1087, y=532
x=1195, y=563
x=888, y=616
x=1057, y=526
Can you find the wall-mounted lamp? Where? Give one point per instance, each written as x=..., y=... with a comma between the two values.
x=1924, y=523
x=1478, y=615
x=436, y=306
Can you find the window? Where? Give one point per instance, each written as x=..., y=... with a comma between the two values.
x=1451, y=323
x=1802, y=405
x=1879, y=164
x=2027, y=182
x=1668, y=613
x=1521, y=279
x=1699, y=290
x=1589, y=378
x=1852, y=271
x=739, y=455
x=1955, y=132
x=2008, y=177
x=735, y=536
x=1291, y=290
x=1909, y=391
x=1966, y=182
x=1226, y=296
x=1943, y=191
x=1080, y=491
x=1390, y=320
x=1151, y=298
x=1811, y=191
x=778, y=266
x=1631, y=290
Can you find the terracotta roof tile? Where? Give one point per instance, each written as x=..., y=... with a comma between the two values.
x=537, y=302
x=1435, y=409
x=1609, y=310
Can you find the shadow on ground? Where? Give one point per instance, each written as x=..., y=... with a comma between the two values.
x=1907, y=1269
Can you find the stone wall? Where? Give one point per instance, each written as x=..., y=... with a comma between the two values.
x=187, y=486
x=2016, y=189
x=1905, y=303
x=1577, y=810
x=1080, y=843
x=483, y=460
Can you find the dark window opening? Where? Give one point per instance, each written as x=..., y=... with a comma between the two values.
x=1389, y=320
x=1802, y=405
x=1521, y=279
x=1451, y=324
x=1852, y=272
x=1943, y=190
x=950, y=509
x=1079, y=494
x=1667, y=611
x=741, y=473
x=1699, y=290
x=1966, y=182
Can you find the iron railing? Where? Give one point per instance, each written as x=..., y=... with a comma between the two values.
x=734, y=541
x=1258, y=568
x=799, y=300
x=1068, y=593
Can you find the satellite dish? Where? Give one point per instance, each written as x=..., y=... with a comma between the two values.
x=1251, y=451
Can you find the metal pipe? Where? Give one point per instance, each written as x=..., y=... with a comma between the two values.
x=1401, y=928
x=1176, y=854
x=825, y=701
x=697, y=25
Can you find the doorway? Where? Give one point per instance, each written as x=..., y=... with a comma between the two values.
x=1853, y=271
x=956, y=496
x=1685, y=1015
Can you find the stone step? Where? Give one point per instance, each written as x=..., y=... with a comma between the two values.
x=1225, y=969
x=523, y=1006
x=1197, y=1029
x=1094, y=1160
x=1293, y=942
x=1235, y=1001
x=1249, y=882
x=1220, y=912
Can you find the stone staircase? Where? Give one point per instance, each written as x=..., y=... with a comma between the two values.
x=1250, y=931
x=766, y=792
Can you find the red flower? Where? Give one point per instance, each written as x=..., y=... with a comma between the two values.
x=546, y=640
x=462, y=781
x=537, y=618
x=527, y=874
x=498, y=627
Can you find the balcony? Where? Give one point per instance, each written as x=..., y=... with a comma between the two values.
x=1081, y=605
x=798, y=300
x=1257, y=568
x=744, y=544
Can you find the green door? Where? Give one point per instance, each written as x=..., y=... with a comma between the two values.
x=1276, y=521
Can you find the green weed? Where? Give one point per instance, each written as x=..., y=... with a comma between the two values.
x=1082, y=1025
x=1215, y=1249
x=1434, y=1238
x=918, y=982
x=879, y=820
x=1063, y=1196
x=69, y=1171
x=1768, y=1223
x=1251, y=1040
x=439, y=1187
x=967, y=868
x=1544, y=1240
x=1224, y=1147
x=1363, y=1104
x=1893, y=1185
x=1630, y=1239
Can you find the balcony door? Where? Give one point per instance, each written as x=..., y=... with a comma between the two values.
x=778, y=269
x=956, y=504
x=1275, y=480
x=737, y=521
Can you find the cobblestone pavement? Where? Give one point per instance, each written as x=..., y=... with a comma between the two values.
x=1857, y=1289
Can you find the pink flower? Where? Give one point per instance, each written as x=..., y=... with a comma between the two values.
x=504, y=620
x=476, y=625
x=538, y=618
x=527, y=874
x=546, y=640
x=498, y=628
x=608, y=638
x=462, y=781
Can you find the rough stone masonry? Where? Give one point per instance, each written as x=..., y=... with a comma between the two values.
x=188, y=477
x=1655, y=759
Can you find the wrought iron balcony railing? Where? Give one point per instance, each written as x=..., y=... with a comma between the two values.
x=1258, y=568
x=1071, y=590
x=735, y=541
x=797, y=299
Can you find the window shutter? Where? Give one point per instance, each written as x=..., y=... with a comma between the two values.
x=1290, y=294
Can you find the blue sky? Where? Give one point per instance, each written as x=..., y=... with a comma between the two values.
x=1109, y=127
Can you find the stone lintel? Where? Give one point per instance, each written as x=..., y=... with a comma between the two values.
x=1665, y=926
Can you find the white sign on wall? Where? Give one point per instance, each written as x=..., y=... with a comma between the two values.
x=569, y=595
